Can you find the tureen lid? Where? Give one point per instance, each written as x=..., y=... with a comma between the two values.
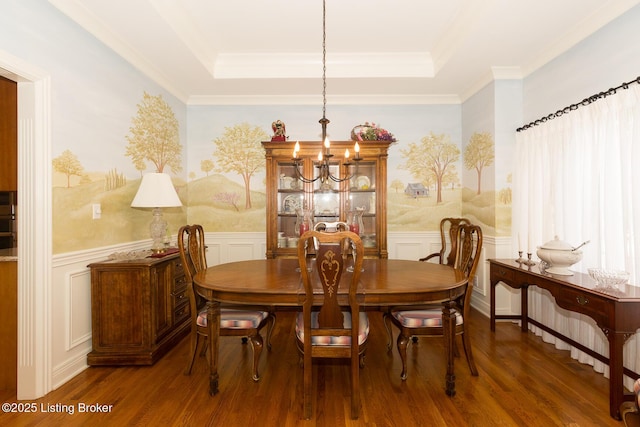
x=557, y=244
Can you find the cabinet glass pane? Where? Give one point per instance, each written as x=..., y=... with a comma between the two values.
x=365, y=177
x=329, y=185
x=326, y=206
x=287, y=178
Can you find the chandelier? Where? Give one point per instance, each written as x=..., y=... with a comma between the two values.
x=324, y=156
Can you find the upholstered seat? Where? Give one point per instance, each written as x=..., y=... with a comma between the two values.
x=235, y=319
x=333, y=340
x=421, y=317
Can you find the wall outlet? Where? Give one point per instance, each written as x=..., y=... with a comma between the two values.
x=96, y=211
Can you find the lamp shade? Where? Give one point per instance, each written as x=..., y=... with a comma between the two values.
x=156, y=191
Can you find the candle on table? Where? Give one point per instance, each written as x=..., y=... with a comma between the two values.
x=519, y=244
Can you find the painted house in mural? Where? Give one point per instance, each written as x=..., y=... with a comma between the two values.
x=416, y=190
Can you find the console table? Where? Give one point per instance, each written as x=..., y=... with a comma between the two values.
x=616, y=312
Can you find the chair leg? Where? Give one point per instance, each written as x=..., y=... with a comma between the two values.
x=308, y=382
x=195, y=338
x=466, y=343
x=386, y=318
x=271, y=325
x=355, y=387
x=204, y=349
x=256, y=345
x=403, y=341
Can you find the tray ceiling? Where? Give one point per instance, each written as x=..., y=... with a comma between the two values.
x=378, y=51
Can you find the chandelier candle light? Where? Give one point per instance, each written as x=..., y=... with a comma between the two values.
x=324, y=173
x=156, y=191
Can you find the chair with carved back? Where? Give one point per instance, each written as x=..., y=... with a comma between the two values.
x=242, y=321
x=331, y=227
x=426, y=320
x=448, y=232
x=331, y=324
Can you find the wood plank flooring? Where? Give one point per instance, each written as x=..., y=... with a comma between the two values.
x=522, y=382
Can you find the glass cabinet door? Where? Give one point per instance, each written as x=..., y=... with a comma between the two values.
x=290, y=198
x=362, y=201
x=326, y=196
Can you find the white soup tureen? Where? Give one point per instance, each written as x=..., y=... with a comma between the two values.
x=559, y=256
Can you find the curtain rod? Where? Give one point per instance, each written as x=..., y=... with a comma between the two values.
x=583, y=103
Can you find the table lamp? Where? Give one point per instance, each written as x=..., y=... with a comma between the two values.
x=156, y=191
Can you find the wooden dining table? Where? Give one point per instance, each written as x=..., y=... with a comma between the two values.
x=383, y=283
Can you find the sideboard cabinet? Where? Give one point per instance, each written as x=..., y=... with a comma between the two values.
x=139, y=309
x=364, y=193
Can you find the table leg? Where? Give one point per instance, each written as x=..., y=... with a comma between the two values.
x=449, y=331
x=616, y=371
x=213, y=321
x=492, y=307
x=524, y=308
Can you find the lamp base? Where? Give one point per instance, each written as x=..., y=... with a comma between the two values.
x=158, y=230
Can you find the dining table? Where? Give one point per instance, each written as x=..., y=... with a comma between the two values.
x=276, y=282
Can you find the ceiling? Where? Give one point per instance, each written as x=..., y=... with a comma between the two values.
x=377, y=51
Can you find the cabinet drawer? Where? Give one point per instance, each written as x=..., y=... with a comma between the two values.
x=180, y=297
x=582, y=302
x=179, y=285
x=181, y=312
x=178, y=268
x=499, y=273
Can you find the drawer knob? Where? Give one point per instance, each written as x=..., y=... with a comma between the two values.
x=582, y=300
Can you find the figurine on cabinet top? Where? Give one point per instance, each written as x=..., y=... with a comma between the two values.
x=279, y=131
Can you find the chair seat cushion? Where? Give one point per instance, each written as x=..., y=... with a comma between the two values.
x=426, y=318
x=363, y=331
x=235, y=319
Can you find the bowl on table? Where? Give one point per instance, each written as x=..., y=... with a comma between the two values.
x=609, y=278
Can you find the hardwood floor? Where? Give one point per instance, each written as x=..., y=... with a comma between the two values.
x=522, y=382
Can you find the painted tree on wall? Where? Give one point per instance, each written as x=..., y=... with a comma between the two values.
x=479, y=154
x=397, y=185
x=207, y=166
x=239, y=150
x=68, y=164
x=154, y=135
x=431, y=159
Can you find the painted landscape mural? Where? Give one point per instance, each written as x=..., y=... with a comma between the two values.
x=218, y=169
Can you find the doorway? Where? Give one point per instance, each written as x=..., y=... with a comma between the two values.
x=34, y=227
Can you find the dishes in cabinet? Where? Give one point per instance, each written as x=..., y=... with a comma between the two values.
x=327, y=204
x=363, y=182
x=289, y=183
x=291, y=203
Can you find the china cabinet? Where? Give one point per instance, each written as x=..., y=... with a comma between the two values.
x=294, y=205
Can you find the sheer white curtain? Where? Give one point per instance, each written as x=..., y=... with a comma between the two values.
x=577, y=177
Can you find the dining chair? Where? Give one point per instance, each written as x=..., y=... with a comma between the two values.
x=426, y=320
x=331, y=324
x=448, y=232
x=630, y=409
x=331, y=227
x=242, y=321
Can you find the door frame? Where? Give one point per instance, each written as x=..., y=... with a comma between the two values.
x=34, y=225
